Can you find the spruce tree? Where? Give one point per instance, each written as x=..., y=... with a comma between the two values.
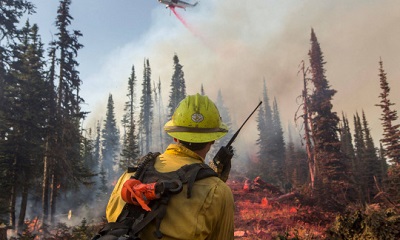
x=29, y=119
x=278, y=146
x=110, y=140
x=358, y=165
x=130, y=147
x=10, y=15
x=332, y=171
x=178, y=87
x=66, y=169
x=261, y=142
x=265, y=140
x=391, y=132
x=146, y=111
x=391, y=136
x=371, y=162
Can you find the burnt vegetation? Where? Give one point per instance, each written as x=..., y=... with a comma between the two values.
x=332, y=183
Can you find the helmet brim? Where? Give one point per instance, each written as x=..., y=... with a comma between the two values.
x=196, y=137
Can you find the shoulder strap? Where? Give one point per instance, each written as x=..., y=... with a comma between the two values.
x=193, y=172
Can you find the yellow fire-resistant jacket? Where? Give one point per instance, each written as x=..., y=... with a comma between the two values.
x=208, y=214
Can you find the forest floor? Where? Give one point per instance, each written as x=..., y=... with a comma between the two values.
x=261, y=214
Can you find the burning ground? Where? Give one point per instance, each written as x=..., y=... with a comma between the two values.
x=263, y=213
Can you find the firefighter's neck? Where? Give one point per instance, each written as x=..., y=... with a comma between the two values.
x=202, y=152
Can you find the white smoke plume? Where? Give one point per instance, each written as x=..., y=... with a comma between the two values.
x=233, y=45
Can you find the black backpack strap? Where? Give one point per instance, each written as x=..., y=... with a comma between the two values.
x=112, y=230
x=157, y=213
x=193, y=172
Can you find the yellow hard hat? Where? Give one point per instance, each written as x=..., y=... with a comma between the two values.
x=196, y=120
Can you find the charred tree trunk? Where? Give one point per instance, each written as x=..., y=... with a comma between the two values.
x=13, y=195
x=24, y=203
x=53, y=199
x=45, y=185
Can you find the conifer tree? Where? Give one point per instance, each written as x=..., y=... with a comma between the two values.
x=332, y=171
x=10, y=15
x=261, y=142
x=130, y=147
x=26, y=95
x=178, y=87
x=391, y=135
x=278, y=146
x=265, y=140
x=146, y=111
x=110, y=140
x=358, y=165
x=66, y=169
x=371, y=162
x=391, y=132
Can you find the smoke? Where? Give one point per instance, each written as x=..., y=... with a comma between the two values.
x=244, y=42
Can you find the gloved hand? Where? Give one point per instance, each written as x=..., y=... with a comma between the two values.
x=222, y=161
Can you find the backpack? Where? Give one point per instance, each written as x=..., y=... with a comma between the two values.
x=134, y=217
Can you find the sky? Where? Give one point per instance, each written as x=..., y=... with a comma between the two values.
x=233, y=46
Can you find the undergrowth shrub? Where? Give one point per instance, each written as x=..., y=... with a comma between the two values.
x=371, y=223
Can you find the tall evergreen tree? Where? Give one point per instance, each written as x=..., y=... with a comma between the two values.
x=278, y=146
x=130, y=147
x=358, y=165
x=10, y=15
x=261, y=141
x=146, y=110
x=371, y=162
x=265, y=140
x=391, y=132
x=66, y=169
x=178, y=87
x=110, y=140
x=332, y=171
x=26, y=99
x=391, y=135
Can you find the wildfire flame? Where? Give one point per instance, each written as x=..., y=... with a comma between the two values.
x=69, y=214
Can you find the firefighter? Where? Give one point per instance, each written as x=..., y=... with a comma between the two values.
x=209, y=214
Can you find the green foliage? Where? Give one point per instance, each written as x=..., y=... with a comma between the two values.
x=178, y=87
x=372, y=223
x=83, y=231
